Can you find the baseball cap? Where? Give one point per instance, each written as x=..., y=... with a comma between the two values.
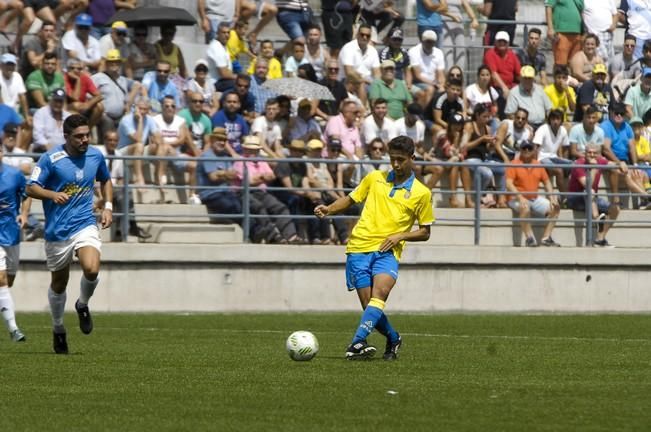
x=200, y=62
x=415, y=109
x=113, y=55
x=396, y=33
x=119, y=25
x=527, y=71
x=59, y=94
x=636, y=120
x=8, y=58
x=297, y=145
x=527, y=144
x=314, y=144
x=334, y=142
x=388, y=64
x=502, y=35
x=219, y=132
x=599, y=68
x=84, y=20
x=429, y=35
x=646, y=71
x=456, y=119
x=10, y=128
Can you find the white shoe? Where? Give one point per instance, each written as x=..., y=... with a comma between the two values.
x=17, y=336
x=194, y=200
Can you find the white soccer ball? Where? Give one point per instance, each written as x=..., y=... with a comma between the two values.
x=302, y=346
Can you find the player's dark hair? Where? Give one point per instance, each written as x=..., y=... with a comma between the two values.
x=629, y=36
x=379, y=101
x=364, y=25
x=402, y=144
x=524, y=110
x=49, y=55
x=592, y=36
x=591, y=109
x=73, y=122
x=455, y=82
x=479, y=110
x=561, y=70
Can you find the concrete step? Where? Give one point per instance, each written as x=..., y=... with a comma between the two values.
x=168, y=213
x=194, y=233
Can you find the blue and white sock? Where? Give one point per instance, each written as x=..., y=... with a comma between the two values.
x=372, y=314
x=385, y=328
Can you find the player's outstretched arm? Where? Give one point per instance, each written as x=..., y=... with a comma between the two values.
x=38, y=192
x=421, y=234
x=338, y=206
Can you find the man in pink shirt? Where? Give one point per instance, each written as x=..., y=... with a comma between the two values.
x=277, y=229
x=344, y=127
x=505, y=68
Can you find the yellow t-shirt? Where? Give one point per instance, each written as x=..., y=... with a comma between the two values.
x=275, y=68
x=235, y=46
x=559, y=99
x=389, y=209
x=642, y=147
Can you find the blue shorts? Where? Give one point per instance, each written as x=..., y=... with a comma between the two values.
x=362, y=267
x=577, y=202
x=294, y=23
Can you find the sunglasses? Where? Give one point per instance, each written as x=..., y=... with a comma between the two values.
x=333, y=69
x=197, y=100
x=75, y=68
x=526, y=148
x=365, y=35
x=377, y=148
x=163, y=71
x=619, y=113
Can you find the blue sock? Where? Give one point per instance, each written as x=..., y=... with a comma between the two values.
x=384, y=327
x=372, y=314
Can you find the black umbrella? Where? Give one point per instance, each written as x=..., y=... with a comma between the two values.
x=154, y=16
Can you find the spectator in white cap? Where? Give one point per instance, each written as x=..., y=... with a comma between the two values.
x=428, y=68
x=80, y=45
x=14, y=93
x=393, y=90
x=504, y=66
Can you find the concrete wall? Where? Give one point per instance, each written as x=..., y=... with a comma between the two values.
x=225, y=278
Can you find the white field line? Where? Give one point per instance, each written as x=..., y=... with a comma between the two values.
x=423, y=335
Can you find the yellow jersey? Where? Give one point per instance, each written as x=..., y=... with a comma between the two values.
x=235, y=46
x=275, y=68
x=642, y=147
x=559, y=100
x=389, y=209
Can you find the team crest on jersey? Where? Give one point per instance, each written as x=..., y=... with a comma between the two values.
x=57, y=156
x=79, y=175
x=36, y=172
x=407, y=194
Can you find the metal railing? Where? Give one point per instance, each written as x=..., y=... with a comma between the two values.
x=246, y=189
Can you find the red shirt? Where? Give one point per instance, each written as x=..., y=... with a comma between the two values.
x=508, y=67
x=577, y=173
x=87, y=86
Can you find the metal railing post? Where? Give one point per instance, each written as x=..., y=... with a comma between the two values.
x=477, y=222
x=588, y=208
x=124, y=225
x=246, y=205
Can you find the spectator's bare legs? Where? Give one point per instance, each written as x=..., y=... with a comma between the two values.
x=269, y=12
x=45, y=14
x=613, y=212
x=9, y=10
x=466, y=181
x=552, y=216
x=191, y=168
x=525, y=213
x=424, y=96
x=137, y=149
x=454, y=179
x=614, y=186
x=75, y=7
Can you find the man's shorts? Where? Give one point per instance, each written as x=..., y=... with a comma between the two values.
x=418, y=87
x=362, y=267
x=59, y=254
x=539, y=206
x=577, y=202
x=37, y=5
x=294, y=23
x=9, y=259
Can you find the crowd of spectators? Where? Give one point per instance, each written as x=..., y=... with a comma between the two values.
x=589, y=94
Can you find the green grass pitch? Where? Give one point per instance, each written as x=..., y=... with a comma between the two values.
x=223, y=372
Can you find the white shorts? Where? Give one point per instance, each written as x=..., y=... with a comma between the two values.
x=539, y=206
x=59, y=254
x=9, y=259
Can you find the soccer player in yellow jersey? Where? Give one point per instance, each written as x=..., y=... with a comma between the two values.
x=394, y=201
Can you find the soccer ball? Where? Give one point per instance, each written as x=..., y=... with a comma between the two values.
x=302, y=346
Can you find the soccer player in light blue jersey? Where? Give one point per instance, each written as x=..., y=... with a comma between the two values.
x=393, y=202
x=12, y=189
x=64, y=180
